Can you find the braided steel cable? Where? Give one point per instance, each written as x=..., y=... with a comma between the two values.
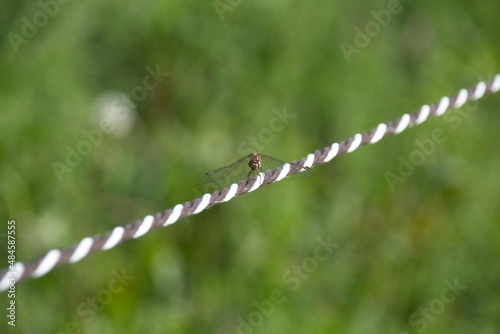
x=56, y=257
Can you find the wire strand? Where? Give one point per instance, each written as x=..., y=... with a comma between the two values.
x=56, y=257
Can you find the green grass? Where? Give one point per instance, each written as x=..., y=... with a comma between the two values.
x=202, y=275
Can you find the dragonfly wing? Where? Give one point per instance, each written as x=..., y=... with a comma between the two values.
x=270, y=162
x=231, y=173
x=273, y=163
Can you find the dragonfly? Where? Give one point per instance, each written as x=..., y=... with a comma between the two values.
x=244, y=168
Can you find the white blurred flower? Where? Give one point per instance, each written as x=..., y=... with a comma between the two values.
x=118, y=109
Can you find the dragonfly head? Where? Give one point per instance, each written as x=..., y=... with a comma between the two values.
x=254, y=162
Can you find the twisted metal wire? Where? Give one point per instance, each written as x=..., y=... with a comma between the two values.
x=56, y=257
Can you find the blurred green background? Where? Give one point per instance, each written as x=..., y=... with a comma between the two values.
x=251, y=265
